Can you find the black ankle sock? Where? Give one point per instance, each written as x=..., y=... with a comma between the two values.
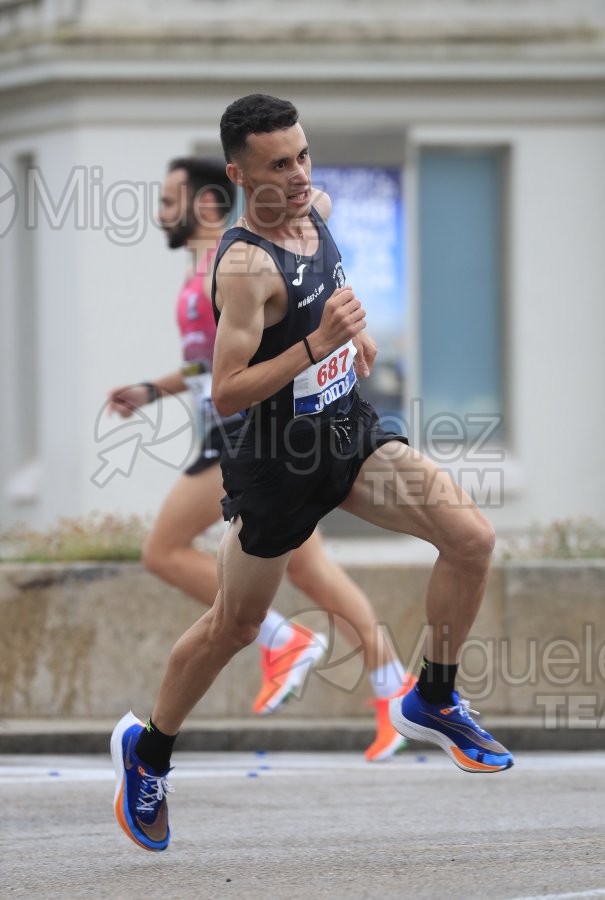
x=436, y=682
x=155, y=748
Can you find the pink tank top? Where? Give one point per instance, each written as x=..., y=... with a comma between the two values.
x=195, y=317
x=198, y=332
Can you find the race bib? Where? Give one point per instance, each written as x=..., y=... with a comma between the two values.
x=325, y=382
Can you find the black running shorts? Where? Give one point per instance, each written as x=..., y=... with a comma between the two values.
x=212, y=446
x=281, y=496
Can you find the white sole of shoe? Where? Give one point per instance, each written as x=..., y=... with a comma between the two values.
x=117, y=756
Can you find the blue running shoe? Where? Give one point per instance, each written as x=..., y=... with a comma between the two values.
x=140, y=798
x=452, y=729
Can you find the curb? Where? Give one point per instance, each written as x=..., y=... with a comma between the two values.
x=92, y=736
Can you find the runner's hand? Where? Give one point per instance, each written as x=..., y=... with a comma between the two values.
x=366, y=354
x=125, y=399
x=343, y=317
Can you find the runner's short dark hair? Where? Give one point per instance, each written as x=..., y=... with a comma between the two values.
x=254, y=114
x=206, y=174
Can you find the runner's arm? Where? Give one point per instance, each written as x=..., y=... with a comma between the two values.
x=242, y=298
x=235, y=385
x=128, y=397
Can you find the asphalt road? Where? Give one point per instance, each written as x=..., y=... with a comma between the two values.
x=289, y=826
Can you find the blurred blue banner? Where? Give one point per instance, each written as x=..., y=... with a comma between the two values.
x=367, y=224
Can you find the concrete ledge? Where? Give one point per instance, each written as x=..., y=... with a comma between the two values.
x=60, y=737
x=89, y=641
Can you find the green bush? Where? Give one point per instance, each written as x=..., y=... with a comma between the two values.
x=565, y=539
x=94, y=537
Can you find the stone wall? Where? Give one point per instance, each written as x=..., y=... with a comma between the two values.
x=90, y=640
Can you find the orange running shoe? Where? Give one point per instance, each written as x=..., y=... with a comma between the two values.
x=287, y=667
x=388, y=741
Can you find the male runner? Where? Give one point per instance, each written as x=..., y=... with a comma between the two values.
x=289, y=330
x=197, y=197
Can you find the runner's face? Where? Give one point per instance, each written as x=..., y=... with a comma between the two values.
x=276, y=171
x=176, y=214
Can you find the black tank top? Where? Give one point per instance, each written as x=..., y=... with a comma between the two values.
x=324, y=391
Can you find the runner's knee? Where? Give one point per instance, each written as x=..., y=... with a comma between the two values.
x=237, y=633
x=246, y=634
x=473, y=543
x=153, y=561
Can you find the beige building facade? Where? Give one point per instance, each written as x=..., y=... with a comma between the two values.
x=493, y=116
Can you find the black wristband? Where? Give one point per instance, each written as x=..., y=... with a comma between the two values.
x=152, y=391
x=306, y=343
